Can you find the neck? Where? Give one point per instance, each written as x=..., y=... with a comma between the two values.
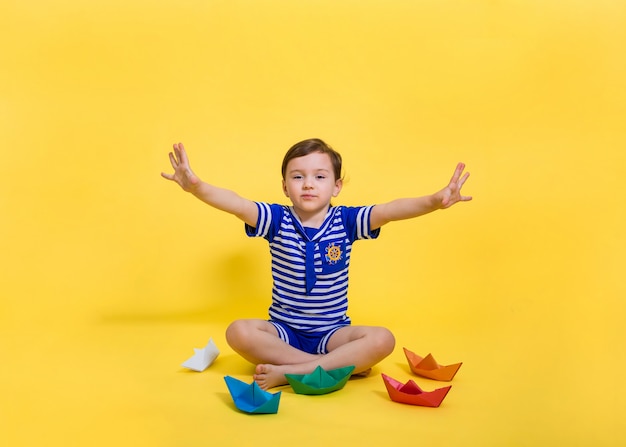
x=313, y=219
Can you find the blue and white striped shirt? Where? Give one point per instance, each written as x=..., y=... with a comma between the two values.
x=310, y=266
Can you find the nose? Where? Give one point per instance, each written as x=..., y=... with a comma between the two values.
x=308, y=183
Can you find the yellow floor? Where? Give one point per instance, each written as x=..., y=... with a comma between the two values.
x=119, y=383
x=111, y=276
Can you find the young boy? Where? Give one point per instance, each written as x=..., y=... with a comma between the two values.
x=310, y=244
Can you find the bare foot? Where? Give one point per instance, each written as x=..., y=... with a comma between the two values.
x=363, y=373
x=269, y=376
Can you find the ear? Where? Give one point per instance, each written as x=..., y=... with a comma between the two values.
x=338, y=186
x=285, y=189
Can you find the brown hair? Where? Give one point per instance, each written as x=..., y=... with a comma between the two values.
x=309, y=146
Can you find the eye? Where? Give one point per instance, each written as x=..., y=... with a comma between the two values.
x=320, y=177
x=297, y=177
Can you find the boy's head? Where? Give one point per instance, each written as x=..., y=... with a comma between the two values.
x=309, y=146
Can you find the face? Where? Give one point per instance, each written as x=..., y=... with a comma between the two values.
x=310, y=184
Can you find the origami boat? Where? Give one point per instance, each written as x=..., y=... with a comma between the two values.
x=428, y=367
x=203, y=357
x=320, y=381
x=250, y=398
x=410, y=393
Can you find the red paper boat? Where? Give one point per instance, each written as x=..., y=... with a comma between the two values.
x=412, y=394
x=428, y=367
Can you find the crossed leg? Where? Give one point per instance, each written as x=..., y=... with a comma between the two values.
x=257, y=341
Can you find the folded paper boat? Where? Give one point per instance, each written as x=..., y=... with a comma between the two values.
x=410, y=393
x=320, y=381
x=250, y=398
x=203, y=357
x=428, y=367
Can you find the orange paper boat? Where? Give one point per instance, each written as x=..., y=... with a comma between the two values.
x=428, y=367
x=410, y=393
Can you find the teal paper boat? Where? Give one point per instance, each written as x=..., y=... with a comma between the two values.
x=250, y=398
x=320, y=381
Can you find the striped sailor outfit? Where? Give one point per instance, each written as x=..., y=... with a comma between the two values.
x=310, y=266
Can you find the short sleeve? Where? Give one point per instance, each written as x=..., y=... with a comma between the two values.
x=357, y=221
x=267, y=222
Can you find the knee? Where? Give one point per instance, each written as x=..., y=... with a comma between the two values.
x=238, y=334
x=385, y=342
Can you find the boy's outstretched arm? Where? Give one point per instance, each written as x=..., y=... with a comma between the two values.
x=413, y=207
x=220, y=198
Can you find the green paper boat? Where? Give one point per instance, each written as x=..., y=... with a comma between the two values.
x=250, y=398
x=320, y=381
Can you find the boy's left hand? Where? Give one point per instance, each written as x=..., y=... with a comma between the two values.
x=451, y=194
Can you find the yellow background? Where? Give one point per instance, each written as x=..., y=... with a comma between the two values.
x=111, y=275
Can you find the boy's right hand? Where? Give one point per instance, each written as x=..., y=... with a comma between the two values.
x=183, y=175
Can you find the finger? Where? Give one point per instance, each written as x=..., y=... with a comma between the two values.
x=177, y=153
x=183, y=154
x=173, y=160
x=463, y=179
x=167, y=176
x=457, y=172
